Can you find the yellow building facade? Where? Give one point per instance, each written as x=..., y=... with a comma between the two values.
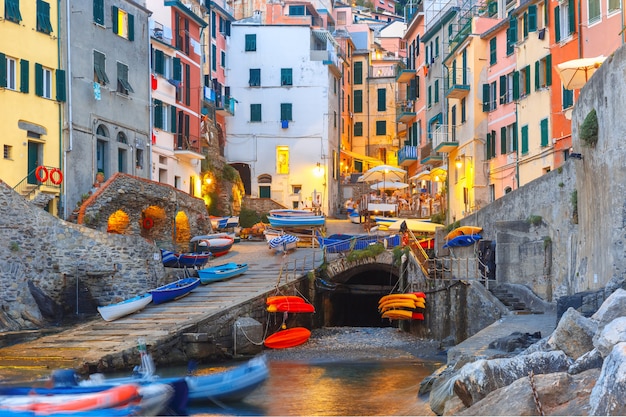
x=32, y=92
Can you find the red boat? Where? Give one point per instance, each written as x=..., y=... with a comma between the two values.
x=288, y=338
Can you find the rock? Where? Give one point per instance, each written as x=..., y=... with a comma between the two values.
x=484, y=376
x=613, y=307
x=613, y=333
x=515, y=342
x=248, y=335
x=573, y=334
x=557, y=394
x=607, y=396
x=590, y=360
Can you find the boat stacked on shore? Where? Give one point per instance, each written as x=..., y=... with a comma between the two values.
x=295, y=218
x=403, y=306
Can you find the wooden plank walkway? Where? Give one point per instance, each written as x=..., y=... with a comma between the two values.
x=93, y=340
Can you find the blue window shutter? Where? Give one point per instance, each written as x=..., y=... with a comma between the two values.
x=532, y=18
x=178, y=72
x=131, y=27
x=3, y=70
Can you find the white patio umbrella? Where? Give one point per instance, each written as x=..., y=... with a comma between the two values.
x=389, y=185
x=576, y=73
x=424, y=175
x=382, y=173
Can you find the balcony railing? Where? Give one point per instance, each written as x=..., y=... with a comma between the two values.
x=428, y=154
x=457, y=82
x=444, y=139
x=405, y=112
x=188, y=146
x=407, y=154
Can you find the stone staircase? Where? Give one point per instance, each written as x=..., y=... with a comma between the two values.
x=511, y=301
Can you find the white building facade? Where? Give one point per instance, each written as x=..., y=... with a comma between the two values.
x=285, y=133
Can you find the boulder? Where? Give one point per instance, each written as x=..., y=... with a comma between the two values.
x=573, y=334
x=590, y=360
x=613, y=307
x=613, y=333
x=476, y=380
x=557, y=394
x=607, y=397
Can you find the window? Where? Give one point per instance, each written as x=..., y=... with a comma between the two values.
x=503, y=140
x=381, y=127
x=11, y=73
x=139, y=158
x=297, y=10
x=506, y=88
x=43, y=81
x=341, y=18
x=295, y=189
x=430, y=97
x=98, y=11
x=358, y=101
x=543, y=72
x=463, y=110
x=358, y=73
x=214, y=57
x=489, y=97
x=358, y=129
x=99, y=69
x=286, y=76
x=123, y=86
x=568, y=98
x=223, y=59
x=282, y=160
x=615, y=5
x=436, y=91
x=255, y=77
x=436, y=46
x=285, y=111
x=564, y=23
x=493, y=58
x=255, y=112
x=8, y=152
x=163, y=116
x=524, y=81
x=532, y=18
x=250, y=42
x=43, y=17
x=12, y=11
x=593, y=11
x=543, y=126
x=123, y=23
x=511, y=35
x=213, y=25
x=382, y=99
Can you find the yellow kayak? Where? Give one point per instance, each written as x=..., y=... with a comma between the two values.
x=463, y=230
x=398, y=315
x=392, y=305
x=409, y=296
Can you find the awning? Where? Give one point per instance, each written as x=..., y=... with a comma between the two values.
x=364, y=158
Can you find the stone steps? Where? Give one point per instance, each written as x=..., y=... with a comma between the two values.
x=513, y=303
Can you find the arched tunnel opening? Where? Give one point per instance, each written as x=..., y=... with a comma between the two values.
x=351, y=298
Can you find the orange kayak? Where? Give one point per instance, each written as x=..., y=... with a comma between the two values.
x=286, y=307
x=284, y=299
x=288, y=338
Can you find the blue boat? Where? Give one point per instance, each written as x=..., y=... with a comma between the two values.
x=296, y=221
x=220, y=272
x=174, y=290
x=461, y=241
x=184, y=260
x=345, y=242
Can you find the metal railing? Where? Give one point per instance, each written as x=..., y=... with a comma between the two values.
x=28, y=189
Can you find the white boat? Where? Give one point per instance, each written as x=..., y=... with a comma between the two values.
x=283, y=243
x=123, y=308
x=296, y=221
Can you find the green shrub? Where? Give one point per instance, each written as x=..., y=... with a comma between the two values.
x=589, y=129
x=248, y=217
x=534, y=220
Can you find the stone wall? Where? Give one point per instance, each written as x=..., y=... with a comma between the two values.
x=43, y=258
x=174, y=215
x=261, y=205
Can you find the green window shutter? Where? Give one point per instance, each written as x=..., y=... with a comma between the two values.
x=98, y=11
x=515, y=136
x=493, y=143
x=24, y=75
x=513, y=27
x=492, y=52
x=524, y=140
x=382, y=99
x=178, y=71
x=571, y=15
x=255, y=77
x=486, y=106
x=557, y=23
x=549, y=69
x=39, y=80
x=158, y=114
x=173, y=119
x=503, y=140
x=488, y=146
x=503, y=89
x=453, y=74
x=131, y=27
x=285, y=111
x=532, y=18
x=3, y=70
x=187, y=85
x=358, y=129
x=464, y=66
x=516, y=85
x=537, y=81
x=12, y=11
x=286, y=76
x=255, y=112
x=358, y=101
x=214, y=57
x=159, y=62
x=114, y=13
x=358, y=73
x=60, y=85
x=381, y=127
x=544, y=132
x=527, y=86
x=43, y=17
x=412, y=94
x=436, y=91
x=525, y=24
x=250, y=42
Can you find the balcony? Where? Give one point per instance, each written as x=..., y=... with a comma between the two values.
x=225, y=106
x=444, y=141
x=407, y=155
x=428, y=155
x=404, y=75
x=405, y=112
x=457, y=83
x=187, y=147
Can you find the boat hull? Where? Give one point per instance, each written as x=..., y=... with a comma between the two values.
x=344, y=242
x=296, y=221
x=284, y=339
x=115, y=311
x=221, y=272
x=174, y=290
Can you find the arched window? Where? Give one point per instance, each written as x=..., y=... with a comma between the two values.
x=102, y=131
x=265, y=179
x=121, y=138
x=507, y=190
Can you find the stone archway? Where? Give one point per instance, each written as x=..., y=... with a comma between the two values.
x=153, y=222
x=118, y=222
x=182, y=231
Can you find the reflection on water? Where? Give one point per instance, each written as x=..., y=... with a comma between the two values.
x=334, y=389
